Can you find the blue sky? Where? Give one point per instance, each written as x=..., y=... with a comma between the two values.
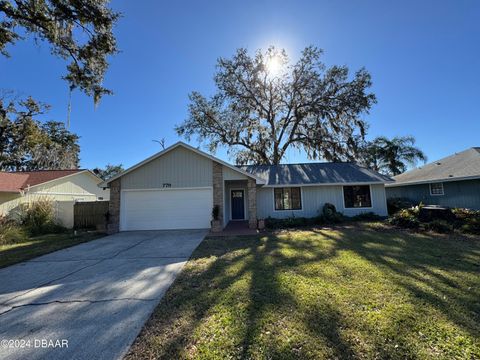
x=424, y=57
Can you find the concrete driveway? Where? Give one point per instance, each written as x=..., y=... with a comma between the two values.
x=95, y=296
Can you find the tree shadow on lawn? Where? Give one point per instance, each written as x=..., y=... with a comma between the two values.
x=275, y=296
x=441, y=270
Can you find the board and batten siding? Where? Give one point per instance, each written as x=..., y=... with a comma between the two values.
x=462, y=194
x=313, y=199
x=180, y=167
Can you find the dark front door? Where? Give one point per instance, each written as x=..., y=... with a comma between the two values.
x=238, y=205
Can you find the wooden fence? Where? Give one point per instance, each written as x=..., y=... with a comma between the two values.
x=90, y=214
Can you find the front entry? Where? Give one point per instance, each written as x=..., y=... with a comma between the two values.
x=238, y=204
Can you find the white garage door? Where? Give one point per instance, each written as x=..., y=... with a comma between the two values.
x=166, y=209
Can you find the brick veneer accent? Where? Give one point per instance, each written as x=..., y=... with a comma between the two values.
x=217, y=174
x=114, y=207
x=252, y=203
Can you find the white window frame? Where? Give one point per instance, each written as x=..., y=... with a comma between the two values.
x=371, y=198
x=436, y=183
x=283, y=187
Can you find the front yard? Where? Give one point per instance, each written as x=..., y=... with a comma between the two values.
x=363, y=291
x=33, y=246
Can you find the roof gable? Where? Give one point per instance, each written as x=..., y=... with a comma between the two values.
x=191, y=148
x=462, y=165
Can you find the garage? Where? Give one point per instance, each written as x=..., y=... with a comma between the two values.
x=166, y=209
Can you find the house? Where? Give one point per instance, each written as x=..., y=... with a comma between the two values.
x=64, y=187
x=453, y=181
x=178, y=187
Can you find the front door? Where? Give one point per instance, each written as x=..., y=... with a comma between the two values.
x=238, y=205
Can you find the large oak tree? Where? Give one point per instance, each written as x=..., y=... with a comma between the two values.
x=79, y=31
x=264, y=105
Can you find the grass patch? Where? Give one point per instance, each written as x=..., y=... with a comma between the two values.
x=30, y=247
x=352, y=292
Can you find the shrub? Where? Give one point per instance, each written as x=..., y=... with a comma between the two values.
x=38, y=217
x=288, y=223
x=394, y=205
x=439, y=226
x=330, y=215
x=406, y=218
x=366, y=216
x=468, y=221
x=10, y=232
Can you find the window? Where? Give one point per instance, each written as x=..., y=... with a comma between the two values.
x=288, y=198
x=436, y=189
x=357, y=196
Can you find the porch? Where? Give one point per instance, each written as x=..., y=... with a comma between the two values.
x=236, y=197
x=235, y=228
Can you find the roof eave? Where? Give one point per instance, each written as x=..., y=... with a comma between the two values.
x=420, y=182
x=329, y=184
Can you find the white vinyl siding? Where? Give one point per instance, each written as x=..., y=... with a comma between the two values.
x=313, y=199
x=181, y=168
x=166, y=209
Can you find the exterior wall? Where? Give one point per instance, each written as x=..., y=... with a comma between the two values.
x=180, y=168
x=252, y=203
x=463, y=194
x=218, y=190
x=313, y=199
x=229, y=185
x=230, y=174
x=114, y=207
x=9, y=201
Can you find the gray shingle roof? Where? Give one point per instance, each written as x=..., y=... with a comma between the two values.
x=315, y=173
x=465, y=164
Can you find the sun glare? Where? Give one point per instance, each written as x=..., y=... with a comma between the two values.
x=274, y=66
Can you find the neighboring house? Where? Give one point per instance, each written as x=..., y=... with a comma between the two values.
x=178, y=187
x=453, y=181
x=64, y=187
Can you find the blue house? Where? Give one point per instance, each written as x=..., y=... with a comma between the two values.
x=453, y=181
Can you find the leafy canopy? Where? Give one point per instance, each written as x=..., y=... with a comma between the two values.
x=109, y=171
x=79, y=30
x=391, y=156
x=264, y=105
x=27, y=144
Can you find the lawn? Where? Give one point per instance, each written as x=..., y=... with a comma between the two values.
x=35, y=246
x=363, y=291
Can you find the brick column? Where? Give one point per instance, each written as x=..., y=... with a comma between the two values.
x=114, y=207
x=252, y=203
x=217, y=173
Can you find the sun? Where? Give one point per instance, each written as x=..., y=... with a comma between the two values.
x=273, y=65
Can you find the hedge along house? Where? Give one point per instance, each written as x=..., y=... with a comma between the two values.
x=62, y=187
x=178, y=187
x=453, y=181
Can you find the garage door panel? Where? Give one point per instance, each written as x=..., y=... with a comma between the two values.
x=166, y=209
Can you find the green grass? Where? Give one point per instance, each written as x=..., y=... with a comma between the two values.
x=32, y=247
x=356, y=292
